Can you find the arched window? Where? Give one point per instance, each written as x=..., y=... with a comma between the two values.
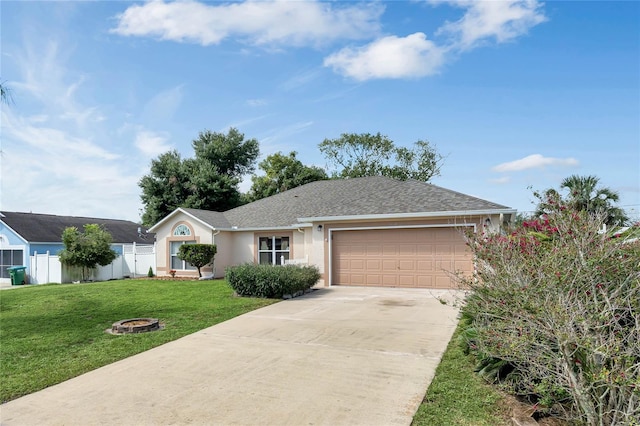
x=182, y=230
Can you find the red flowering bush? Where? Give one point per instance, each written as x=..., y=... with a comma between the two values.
x=557, y=300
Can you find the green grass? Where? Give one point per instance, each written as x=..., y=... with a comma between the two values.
x=51, y=333
x=458, y=396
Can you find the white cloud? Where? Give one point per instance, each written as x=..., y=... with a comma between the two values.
x=163, y=106
x=58, y=156
x=501, y=180
x=389, y=57
x=501, y=20
x=535, y=161
x=256, y=102
x=300, y=79
x=284, y=22
x=301, y=23
x=415, y=56
x=279, y=138
x=150, y=143
x=54, y=171
x=53, y=141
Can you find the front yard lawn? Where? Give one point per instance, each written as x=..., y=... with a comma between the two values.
x=51, y=333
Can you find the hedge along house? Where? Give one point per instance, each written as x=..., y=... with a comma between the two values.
x=371, y=231
x=25, y=236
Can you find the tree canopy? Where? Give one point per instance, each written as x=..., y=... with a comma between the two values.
x=87, y=249
x=208, y=181
x=198, y=255
x=364, y=154
x=584, y=194
x=282, y=172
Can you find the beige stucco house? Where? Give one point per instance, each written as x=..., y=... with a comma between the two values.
x=371, y=231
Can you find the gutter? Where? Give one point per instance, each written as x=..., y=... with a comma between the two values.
x=419, y=215
x=297, y=226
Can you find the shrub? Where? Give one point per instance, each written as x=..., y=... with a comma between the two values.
x=271, y=281
x=198, y=255
x=558, y=301
x=150, y=273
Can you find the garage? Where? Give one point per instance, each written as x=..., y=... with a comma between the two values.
x=404, y=257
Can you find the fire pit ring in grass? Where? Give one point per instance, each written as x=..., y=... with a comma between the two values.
x=135, y=325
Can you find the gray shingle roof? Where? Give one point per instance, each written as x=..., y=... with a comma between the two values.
x=348, y=197
x=47, y=228
x=215, y=219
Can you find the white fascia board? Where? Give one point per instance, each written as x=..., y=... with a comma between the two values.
x=418, y=215
x=268, y=228
x=173, y=213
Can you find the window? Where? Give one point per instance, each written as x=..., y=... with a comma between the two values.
x=182, y=230
x=10, y=258
x=176, y=262
x=271, y=250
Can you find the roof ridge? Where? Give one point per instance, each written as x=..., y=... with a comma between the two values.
x=66, y=216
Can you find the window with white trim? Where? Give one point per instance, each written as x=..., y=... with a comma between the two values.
x=10, y=258
x=176, y=262
x=272, y=250
x=181, y=231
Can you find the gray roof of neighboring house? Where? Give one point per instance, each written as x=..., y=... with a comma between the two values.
x=47, y=228
x=346, y=197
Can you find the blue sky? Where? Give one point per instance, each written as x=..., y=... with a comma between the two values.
x=516, y=94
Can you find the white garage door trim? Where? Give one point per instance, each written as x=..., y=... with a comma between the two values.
x=369, y=228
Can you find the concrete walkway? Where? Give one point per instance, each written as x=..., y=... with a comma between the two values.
x=339, y=356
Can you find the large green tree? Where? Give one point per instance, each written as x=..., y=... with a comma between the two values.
x=87, y=249
x=282, y=172
x=229, y=153
x=583, y=193
x=208, y=181
x=365, y=154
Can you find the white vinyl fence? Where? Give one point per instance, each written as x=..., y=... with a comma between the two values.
x=134, y=262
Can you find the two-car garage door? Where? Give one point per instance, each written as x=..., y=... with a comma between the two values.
x=407, y=257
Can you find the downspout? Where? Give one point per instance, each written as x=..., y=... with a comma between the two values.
x=213, y=241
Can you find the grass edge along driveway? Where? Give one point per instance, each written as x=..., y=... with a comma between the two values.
x=52, y=333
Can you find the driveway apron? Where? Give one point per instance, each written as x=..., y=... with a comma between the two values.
x=337, y=356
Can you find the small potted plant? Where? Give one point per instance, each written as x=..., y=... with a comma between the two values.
x=172, y=273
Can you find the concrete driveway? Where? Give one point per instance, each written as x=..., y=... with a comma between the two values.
x=338, y=356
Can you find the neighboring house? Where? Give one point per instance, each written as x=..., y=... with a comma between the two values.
x=372, y=231
x=24, y=235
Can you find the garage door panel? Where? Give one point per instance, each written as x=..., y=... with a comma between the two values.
x=465, y=267
x=356, y=264
x=407, y=265
x=374, y=265
x=418, y=257
x=373, y=250
x=407, y=250
x=389, y=280
x=424, y=265
x=389, y=249
x=373, y=279
x=407, y=280
x=425, y=249
x=443, y=282
x=389, y=265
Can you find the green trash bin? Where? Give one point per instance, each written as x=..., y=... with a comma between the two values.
x=18, y=275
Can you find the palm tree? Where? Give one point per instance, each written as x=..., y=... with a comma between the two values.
x=585, y=195
x=5, y=94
